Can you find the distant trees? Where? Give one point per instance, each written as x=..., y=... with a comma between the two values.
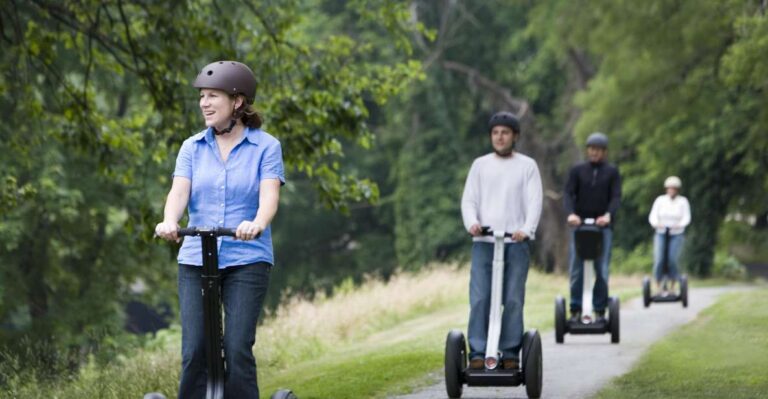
x=681, y=87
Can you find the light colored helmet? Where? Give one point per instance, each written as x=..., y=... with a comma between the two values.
x=673, y=182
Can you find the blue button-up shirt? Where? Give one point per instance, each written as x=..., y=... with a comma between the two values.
x=225, y=194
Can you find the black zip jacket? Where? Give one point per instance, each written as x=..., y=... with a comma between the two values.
x=592, y=190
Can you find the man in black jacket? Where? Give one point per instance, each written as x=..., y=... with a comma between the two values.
x=593, y=191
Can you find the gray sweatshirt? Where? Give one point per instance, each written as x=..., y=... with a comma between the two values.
x=503, y=193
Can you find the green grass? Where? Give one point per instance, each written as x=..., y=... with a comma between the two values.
x=365, y=342
x=721, y=354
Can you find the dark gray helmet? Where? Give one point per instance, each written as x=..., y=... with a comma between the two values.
x=504, y=118
x=230, y=76
x=597, y=140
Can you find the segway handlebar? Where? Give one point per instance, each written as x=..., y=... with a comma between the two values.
x=209, y=231
x=486, y=231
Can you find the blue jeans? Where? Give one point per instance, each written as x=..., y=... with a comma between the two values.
x=602, y=264
x=516, y=258
x=675, y=245
x=242, y=290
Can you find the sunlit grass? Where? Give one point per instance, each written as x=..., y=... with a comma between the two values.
x=721, y=354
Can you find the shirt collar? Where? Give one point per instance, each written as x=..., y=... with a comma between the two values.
x=253, y=135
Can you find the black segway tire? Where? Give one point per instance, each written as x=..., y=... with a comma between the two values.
x=613, y=319
x=526, y=344
x=646, y=291
x=283, y=394
x=684, y=290
x=455, y=363
x=559, y=319
x=532, y=363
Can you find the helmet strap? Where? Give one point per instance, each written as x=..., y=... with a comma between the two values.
x=232, y=123
x=236, y=113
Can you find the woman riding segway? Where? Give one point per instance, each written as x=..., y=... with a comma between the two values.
x=669, y=216
x=226, y=175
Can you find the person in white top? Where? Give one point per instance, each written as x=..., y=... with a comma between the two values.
x=503, y=191
x=670, y=211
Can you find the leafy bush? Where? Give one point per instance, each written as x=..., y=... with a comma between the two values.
x=637, y=261
x=727, y=266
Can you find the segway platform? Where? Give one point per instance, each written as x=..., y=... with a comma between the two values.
x=457, y=374
x=680, y=296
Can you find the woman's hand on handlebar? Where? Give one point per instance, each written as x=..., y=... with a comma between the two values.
x=475, y=230
x=248, y=230
x=167, y=231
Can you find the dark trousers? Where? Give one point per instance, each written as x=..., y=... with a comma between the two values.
x=242, y=290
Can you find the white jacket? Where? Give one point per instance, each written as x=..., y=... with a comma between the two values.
x=674, y=213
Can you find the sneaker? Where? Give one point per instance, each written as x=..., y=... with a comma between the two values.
x=477, y=363
x=600, y=316
x=575, y=316
x=511, y=364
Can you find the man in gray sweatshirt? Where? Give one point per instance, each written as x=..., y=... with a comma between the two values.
x=503, y=191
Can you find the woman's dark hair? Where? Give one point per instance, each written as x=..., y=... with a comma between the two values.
x=248, y=115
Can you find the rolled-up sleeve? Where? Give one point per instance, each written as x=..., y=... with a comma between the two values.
x=271, y=166
x=184, y=161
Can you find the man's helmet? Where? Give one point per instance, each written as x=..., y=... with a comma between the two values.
x=673, y=182
x=504, y=118
x=230, y=76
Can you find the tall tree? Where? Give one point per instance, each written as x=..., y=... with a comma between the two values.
x=484, y=57
x=97, y=100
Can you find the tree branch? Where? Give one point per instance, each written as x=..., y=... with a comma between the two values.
x=520, y=106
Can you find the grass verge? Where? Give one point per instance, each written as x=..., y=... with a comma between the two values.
x=721, y=354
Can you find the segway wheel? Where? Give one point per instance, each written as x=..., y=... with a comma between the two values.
x=613, y=319
x=684, y=290
x=455, y=363
x=532, y=363
x=154, y=395
x=559, y=319
x=283, y=394
x=646, y=291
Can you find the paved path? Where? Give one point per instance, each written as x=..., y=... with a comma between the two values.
x=598, y=360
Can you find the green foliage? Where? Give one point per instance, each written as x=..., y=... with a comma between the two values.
x=727, y=266
x=441, y=127
x=679, y=97
x=97, y=100
x=636, y=261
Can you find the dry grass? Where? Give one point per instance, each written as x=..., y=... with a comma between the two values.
x=312, y=327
